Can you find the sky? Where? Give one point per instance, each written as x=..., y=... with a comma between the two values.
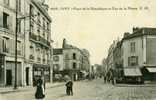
x=95, y=30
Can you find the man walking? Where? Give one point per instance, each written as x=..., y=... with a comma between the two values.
x=69, y=87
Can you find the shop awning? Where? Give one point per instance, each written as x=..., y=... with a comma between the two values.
x=152, y=70
x=132, y=72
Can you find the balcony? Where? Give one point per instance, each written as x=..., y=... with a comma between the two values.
x=33, y=37
x=6, y=31
x=40, y=40
x=43, y=41
x=5, y=50
x=44, y=60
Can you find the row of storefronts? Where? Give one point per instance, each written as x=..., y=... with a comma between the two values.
x=25, y=75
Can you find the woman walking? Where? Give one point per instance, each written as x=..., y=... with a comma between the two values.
x=40, y=91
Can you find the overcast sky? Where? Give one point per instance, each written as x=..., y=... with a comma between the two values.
x=95, y=30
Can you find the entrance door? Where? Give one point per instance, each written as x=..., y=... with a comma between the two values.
x=8, y=77
x=74, y=77
x=27, y=76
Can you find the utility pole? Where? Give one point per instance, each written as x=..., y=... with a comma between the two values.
x=15, y=84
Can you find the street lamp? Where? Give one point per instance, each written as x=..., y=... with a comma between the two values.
x=15, y=84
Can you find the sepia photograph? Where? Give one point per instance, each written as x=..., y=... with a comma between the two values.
x=77, y=50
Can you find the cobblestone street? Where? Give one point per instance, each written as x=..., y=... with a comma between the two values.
x=91, y=90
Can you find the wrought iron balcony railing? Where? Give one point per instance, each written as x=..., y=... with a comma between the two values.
x=40, y=39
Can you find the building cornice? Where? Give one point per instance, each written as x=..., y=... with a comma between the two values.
x=44, y=12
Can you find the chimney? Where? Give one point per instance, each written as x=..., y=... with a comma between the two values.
x=64, y=43
x=126, y=34
x=135, y=29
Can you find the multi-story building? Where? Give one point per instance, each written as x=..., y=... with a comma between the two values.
x=85, y=68
x=76, y=61
x=58, y=65
x=8, y=20
x=118, y=62
x=33, y=41
x=37, y=42
x=110, y=62
x=139, y=54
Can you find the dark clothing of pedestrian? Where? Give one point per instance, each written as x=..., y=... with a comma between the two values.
x=40, y=90
x=69, y=88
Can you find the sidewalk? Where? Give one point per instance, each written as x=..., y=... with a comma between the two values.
x=4, y=90
x=135, y=85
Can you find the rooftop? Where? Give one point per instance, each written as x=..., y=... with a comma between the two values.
x=139, y=32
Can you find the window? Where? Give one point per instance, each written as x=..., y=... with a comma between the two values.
x=5, y=44
x=19, y=47
x=38, y=17
x=19, y=5
x=19, y=26
x=133, y=61
x=48, y=28
x=38, y=54
x=74, y=65
x=43, y=27
x=32, y=27
x=6, y=2
x=5, y=20
x=56, y=58
x=31, y=49
x=132, y=46
x=31, y=11
x=74, y=56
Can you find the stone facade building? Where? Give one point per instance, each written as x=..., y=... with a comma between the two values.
x=7, y=43
x=58, y=65
x=37, y=42
x=76, y=63
x=33, y=41
x=139, y=53
x=134, y=56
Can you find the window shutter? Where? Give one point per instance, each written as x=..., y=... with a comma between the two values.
x=1, y=19
x=10, y=20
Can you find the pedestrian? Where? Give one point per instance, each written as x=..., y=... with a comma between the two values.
x=40, y=90
x=69, y=87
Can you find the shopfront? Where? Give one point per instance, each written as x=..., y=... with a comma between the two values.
x=149, y=73
x=41, y=70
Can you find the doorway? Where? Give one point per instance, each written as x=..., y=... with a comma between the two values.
x=27, y=76
x=8, y=77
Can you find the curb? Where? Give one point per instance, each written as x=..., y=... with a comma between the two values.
x=28, y=89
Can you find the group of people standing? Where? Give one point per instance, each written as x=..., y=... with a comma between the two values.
x=40, y=88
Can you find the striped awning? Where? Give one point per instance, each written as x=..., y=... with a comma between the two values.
x=152, y=70
x=132, y=72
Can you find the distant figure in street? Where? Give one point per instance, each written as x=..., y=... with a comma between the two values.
x=40, y=91
x=69, y=87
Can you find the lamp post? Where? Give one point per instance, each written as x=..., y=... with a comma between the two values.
x=16, y=28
